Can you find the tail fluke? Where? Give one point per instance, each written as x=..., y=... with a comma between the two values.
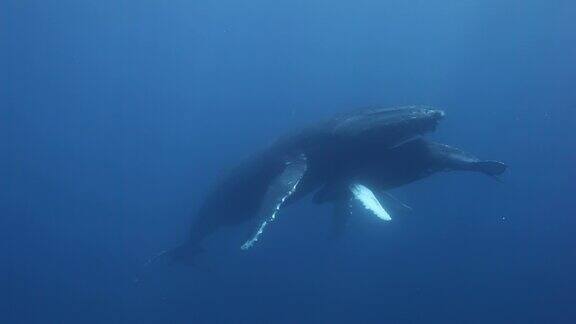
x=491, y=168
x=185, y=254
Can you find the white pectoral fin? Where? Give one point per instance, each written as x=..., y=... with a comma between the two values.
x=280, y=189
x=369, y=201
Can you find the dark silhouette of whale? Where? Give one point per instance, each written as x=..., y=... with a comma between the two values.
x=340, y=159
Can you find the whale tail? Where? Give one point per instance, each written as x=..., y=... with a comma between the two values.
x=491, y=168
x=184, y=254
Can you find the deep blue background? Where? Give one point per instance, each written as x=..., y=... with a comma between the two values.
x=116, y=117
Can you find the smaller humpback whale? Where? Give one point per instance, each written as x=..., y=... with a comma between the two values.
x=401, y=165
x=340, y=159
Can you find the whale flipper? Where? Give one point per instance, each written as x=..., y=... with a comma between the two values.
x=451, y=158
x=343, y=207
x=369, y=201
x=282, y=187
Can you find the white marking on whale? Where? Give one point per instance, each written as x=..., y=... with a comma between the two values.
x=369, y=201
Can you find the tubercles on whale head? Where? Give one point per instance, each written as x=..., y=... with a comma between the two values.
x=405, y=121
x=388, y=126
x=432, y=117
x=436, y=114
x=407, y=114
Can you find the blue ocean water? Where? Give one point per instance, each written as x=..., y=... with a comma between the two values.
x=116, y=117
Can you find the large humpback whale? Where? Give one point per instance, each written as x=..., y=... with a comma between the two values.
x=349, y=156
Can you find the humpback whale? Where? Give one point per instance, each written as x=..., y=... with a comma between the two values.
x=347, y=157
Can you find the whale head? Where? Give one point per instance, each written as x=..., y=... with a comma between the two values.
x=388, y=126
